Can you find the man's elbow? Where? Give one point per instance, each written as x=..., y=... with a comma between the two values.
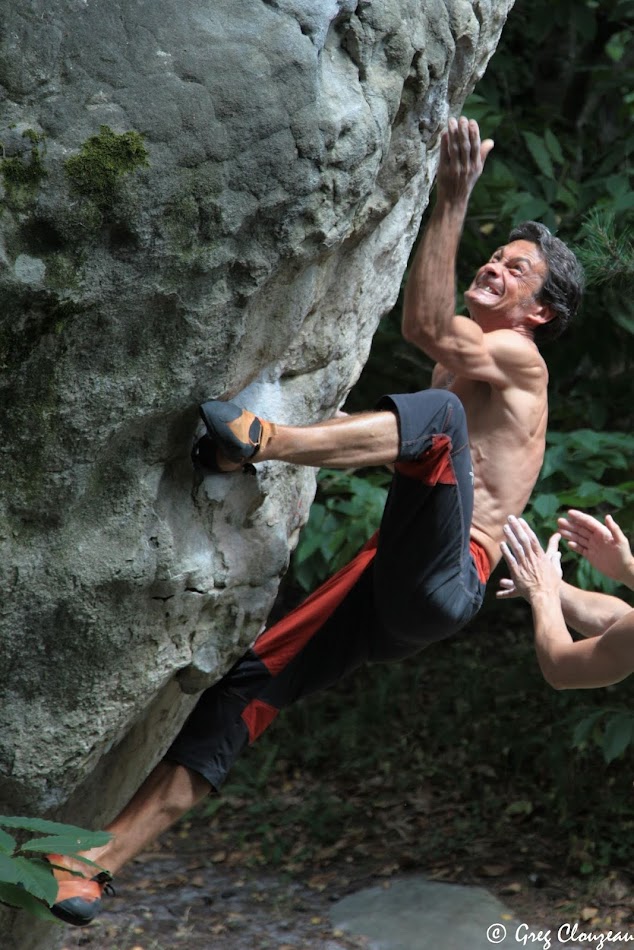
x=557, y=683
x=553, y=676
x=417, y=335
x=411, y=331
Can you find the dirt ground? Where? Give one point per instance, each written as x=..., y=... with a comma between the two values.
x=207, y=886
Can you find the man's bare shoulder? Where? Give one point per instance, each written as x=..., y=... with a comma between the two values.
x=516, y=352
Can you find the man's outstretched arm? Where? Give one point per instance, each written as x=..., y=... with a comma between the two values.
x=430, y=294
x=600, y=661
x=589, y=612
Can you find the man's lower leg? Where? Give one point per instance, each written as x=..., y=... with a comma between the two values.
x=168, y=793
x=350, y=442
x=366, y=439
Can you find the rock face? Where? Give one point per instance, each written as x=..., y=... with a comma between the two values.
x=200, y=199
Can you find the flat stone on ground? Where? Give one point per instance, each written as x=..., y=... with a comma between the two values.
x=418, y=914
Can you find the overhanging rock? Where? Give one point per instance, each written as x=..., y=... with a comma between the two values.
x=199, y=200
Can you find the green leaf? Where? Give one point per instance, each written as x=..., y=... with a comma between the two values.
x=624, y=202
x=42, y=826
x=333, y=542
x=584, y=728
x=523, y=206
x=616, y=46
x=540, y=154
x=308, y=544
x=7, y=843
x=590, y=489
x=18, y=897
x=618, y=736
x=588, y=578
x=9, y=870
x=306, y=575
x=567, y=196
x=555, y=460
x=545, y=505
x=552, y=144
x=67, y=844
x=35, y=876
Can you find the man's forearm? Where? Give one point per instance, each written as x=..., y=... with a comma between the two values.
x=552, y=637
x=627, y=575
x=590, y=613
x=430, y=292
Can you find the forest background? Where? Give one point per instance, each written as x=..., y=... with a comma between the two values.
x=470, y=723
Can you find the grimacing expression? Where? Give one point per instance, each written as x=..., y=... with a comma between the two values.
x=505, y=289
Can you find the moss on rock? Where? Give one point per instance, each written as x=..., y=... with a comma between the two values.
x=103, y=160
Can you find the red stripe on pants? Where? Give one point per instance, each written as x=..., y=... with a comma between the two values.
x=283, y=641
x=258, y=716
x=434, y=466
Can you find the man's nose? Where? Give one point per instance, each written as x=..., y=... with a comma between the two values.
x=491, y=267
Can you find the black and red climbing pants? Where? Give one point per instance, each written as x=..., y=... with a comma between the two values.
x=419, y=579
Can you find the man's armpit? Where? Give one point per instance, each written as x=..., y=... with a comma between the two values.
x=441, y=377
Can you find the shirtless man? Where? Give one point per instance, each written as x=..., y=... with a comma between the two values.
x=457, y=473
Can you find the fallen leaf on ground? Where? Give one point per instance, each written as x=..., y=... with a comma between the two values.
x=495, y=870
x=587, y=913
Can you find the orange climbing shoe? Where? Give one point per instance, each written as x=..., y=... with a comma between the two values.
x=237, y=433
x=78, y=898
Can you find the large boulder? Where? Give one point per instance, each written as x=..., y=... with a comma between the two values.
x=198, y=200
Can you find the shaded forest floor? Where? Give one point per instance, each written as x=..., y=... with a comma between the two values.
x=457, y=766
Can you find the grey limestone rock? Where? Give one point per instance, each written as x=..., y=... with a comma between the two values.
x=199, y=199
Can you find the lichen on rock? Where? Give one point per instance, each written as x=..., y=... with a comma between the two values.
x=23, y=173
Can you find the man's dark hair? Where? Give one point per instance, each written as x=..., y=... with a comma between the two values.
x=563, y=285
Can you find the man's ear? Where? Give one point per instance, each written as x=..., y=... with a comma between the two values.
x=542, y=313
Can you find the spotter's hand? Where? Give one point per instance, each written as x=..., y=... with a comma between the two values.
x=531, y=568
x=604, y=545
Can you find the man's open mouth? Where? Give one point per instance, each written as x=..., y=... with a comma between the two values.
x=489, y=288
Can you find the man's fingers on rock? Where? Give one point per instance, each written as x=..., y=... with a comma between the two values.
x=454, y=146
x=474, y=141
x=464, y=136
x=444, y=147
